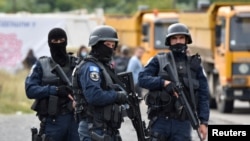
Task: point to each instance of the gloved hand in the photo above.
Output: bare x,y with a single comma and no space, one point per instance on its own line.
64,91
170,88
121,97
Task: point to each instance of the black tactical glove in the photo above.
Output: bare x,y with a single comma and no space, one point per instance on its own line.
64,91
170,88
121,97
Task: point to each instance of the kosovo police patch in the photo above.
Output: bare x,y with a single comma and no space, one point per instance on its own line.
94,76
94,73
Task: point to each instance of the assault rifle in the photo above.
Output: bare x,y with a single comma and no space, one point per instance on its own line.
133,112
182,98
60,73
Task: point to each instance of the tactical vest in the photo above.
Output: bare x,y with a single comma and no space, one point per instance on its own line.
162,104
54,105
103,117
81,107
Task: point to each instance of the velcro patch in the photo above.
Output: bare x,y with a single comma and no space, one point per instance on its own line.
93,68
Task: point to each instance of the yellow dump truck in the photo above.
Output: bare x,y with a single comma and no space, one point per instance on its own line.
146,28
221,35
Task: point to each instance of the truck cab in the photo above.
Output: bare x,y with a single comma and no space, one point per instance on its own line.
146,28
221,36
232,48
154,30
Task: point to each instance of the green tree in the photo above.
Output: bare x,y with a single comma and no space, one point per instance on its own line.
109,6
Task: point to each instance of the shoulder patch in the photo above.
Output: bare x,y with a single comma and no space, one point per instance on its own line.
94,73
94,76
94,69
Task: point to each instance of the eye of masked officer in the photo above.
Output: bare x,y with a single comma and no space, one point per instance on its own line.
178,39
110,44
58,41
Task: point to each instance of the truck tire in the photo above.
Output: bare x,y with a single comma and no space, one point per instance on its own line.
223,105
211,84
212,103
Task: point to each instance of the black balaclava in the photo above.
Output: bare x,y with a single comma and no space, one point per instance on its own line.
102,52
179,50
58,50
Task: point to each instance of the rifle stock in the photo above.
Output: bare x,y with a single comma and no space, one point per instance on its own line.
183,100
133,112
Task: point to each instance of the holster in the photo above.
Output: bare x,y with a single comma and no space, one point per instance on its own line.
96,137
105,137
36,136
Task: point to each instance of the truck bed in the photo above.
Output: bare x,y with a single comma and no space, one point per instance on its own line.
201,31
127,29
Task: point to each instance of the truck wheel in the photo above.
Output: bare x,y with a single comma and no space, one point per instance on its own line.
211,84
223,105
212,103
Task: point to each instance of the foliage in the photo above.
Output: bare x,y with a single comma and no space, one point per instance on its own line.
109,6
12,93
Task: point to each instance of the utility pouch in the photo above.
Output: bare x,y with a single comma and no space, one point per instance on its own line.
52,107
107,112
34,106
166,98
151,98
116,113
195,82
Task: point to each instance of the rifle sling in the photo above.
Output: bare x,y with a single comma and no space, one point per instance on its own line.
191,90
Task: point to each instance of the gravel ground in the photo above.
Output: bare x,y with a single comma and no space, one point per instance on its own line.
17,127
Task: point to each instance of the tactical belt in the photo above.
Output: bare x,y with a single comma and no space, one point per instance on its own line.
173,116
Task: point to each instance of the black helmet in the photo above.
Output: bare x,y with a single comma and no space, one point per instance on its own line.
103,33
177,29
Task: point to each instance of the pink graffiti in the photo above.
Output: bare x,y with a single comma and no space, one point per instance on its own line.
10,49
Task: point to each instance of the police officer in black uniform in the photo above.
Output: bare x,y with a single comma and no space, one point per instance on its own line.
168,120
54,103
104,97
